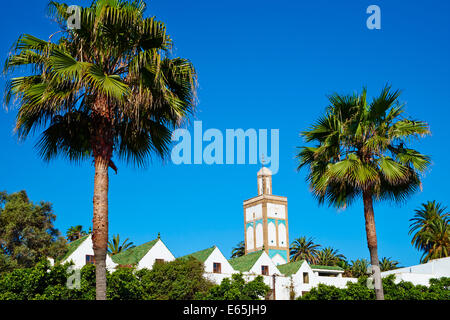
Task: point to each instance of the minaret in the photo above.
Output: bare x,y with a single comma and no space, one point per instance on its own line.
266,221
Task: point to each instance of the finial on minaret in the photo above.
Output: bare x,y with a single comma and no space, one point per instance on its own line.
263,160
264,178
159,235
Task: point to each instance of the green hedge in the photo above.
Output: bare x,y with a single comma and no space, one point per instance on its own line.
439,289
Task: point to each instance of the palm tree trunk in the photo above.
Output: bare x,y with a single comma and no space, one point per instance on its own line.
100,224
372,243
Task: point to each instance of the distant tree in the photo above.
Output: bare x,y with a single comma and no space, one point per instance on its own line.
329,257
344,264
239,250
360,268
237,288
27,233
430,226
304,249
387,264
176,280
114,246
75,233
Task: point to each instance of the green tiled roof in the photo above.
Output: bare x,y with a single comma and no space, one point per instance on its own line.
73,246
290,268
315,266
201,255
246,262
133,255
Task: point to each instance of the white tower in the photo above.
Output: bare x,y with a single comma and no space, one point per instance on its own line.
266,221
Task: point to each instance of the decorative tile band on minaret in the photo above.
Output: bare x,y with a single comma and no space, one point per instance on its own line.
266,221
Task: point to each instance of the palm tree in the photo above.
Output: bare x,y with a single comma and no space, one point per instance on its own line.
361,152
430,226
387,264
75,232
360,267
304,249
109,89
114,246
239,250
329,257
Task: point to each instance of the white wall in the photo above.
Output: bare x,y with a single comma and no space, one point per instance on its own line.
85,248
256,209
422,273
158,251
264,260
276,211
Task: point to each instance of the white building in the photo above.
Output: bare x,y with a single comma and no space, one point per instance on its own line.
266,253
144,255
81,253
422,273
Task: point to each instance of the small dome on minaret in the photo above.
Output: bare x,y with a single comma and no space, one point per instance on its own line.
264,181
264,172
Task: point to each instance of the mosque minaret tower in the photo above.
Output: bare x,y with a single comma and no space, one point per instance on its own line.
266,221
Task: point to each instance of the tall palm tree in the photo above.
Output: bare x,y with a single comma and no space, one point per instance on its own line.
387,264
431,229
239,250
109,89
75,232
329,257
304,249
360,152
114,246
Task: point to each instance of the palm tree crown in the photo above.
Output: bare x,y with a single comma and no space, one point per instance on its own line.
75,232
329,257
114,246
239,250
430,226
304,249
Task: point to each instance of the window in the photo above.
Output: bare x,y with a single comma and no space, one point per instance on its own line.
159,260
217,267
90,259
305,277
265,270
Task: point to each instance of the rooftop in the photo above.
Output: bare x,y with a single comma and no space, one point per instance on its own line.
201,255
290,268
133,255
246,262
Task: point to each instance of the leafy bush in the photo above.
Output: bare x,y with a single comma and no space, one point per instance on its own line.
237,289
439,289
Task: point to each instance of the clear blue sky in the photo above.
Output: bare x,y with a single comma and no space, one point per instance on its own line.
261,64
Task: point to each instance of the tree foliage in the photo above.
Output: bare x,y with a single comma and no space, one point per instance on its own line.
237,288
27,233
75,233
437,290
431,231
304,249
239,250
115,247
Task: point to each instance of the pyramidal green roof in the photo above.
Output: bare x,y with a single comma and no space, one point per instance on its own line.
245,262
290,268
316,266
133,255
72,246
201,255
